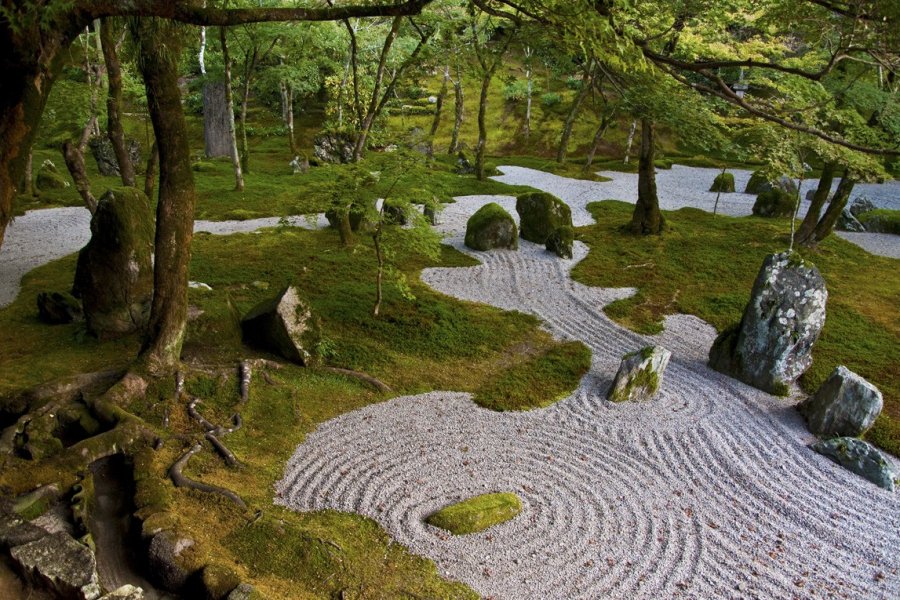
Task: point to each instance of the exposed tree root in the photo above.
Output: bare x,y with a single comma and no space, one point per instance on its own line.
213,433
181,480
62,390
245,373
378,385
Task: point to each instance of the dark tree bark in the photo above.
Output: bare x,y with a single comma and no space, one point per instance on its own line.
150,172
74,158
826,224
488,69
229,115
114,129
808,226
458,111
598,137
439,106
573,113
158,45
647,218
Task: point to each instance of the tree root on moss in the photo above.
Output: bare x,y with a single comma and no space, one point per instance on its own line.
213,433
377,384
181,480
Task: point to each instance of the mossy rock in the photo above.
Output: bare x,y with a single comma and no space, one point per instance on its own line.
59,308
663,163
724,183
491,227
758,183
394,214
776,202
49,178
881,221
560,242
219,581
540,214
476,514
203,166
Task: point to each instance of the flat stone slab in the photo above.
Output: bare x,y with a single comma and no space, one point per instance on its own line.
477,513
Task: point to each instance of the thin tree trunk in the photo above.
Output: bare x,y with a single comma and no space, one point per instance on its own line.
114,129
438,107
366,123
74,158
379,275
287,114
647,218
354,65
458,111
229,108
28,182
808,226
630,141
718,193
826,224
570,118
249,66
482,126
598,137
175,210
529,88
150,172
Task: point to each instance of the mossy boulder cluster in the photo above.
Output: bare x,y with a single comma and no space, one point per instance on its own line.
772,345
724,182
491,227
114,275
881,221
477,513
284,325
540,215
640,374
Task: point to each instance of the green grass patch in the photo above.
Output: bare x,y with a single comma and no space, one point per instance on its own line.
881,220
705,265
477,514
538,380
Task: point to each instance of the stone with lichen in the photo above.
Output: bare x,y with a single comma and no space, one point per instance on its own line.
845,405
640,375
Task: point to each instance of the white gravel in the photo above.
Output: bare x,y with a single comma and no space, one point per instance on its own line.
708,491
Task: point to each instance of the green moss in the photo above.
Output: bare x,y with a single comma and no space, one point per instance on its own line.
881,220
536,381
645,380
724,182
775,202
219,580
476,514
758,183
540,214
491,227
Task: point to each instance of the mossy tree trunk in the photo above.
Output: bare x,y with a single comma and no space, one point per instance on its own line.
647,218
826,224
459,105
114,129
439,105
573,113
229,115
150,171
158,42
808,226
488,69
287,114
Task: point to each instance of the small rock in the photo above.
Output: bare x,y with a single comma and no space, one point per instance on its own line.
299,166
163,559
199,285
59,308
60,564
861,205
260,285
284,325
463,166
848,222
845,405
859,457
241,592
126,592
639,375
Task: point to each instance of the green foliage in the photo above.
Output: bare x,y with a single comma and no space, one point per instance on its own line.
477,513
550,99
517,91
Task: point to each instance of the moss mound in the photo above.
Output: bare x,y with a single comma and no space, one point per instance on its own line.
881,220
477,514
49,178
775,203
540,214
757,184
560,242
724,183
491,227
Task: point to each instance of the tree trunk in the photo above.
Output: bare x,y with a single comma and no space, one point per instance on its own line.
114,129
570,118
354,64
598,137
647,218
229,111
249,66
630,141
379,275
438,108
482,126
808,226
826,224
216,135
175,210
74,158
150,172
28,181
366,123
458,109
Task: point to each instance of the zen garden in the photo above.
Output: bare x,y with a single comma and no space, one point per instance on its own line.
444,299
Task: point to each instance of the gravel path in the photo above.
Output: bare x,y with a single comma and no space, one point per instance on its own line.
708,491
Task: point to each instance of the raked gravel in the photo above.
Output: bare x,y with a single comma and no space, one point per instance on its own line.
707,491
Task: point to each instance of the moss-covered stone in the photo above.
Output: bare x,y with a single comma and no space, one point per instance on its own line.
59,308
203,166
285,325
49,178
724,182
540,214
219,581
491,227
758,183
881,220
638,377
476,514
776,202
560,242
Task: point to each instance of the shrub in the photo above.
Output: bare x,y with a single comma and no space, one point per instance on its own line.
550,99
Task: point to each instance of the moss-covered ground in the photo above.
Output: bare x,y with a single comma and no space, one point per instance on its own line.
705,265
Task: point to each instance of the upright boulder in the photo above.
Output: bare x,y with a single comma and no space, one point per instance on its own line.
724,182
105,156
540,214
845,405
560,242
639,375
284,325
776,202
114,275
861,205
757,184
847,221
859,457
491,227
334,147
772,345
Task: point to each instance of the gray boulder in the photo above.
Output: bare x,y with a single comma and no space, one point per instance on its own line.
848,222
114,275
284,325
59,308
639,375
540,214
859,457
334,147
491,227
105,156
166,561
463,166
242,592
861,205
845,405
15,531
772,345
59,563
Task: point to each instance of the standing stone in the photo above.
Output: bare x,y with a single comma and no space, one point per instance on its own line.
540,214
845,405
772,345
105,156
114,276
724,183
859,457
847,221
639,375
861,205
334,147
491,227
59,563
216,120
284,325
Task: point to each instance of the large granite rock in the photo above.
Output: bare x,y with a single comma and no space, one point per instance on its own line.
859,457
847,221
114,275
59,563
861,205
15,531
105,156
59,308
845,405
284,325
334,147
772,345
560,242
639,375
724,183
540,214
491,227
